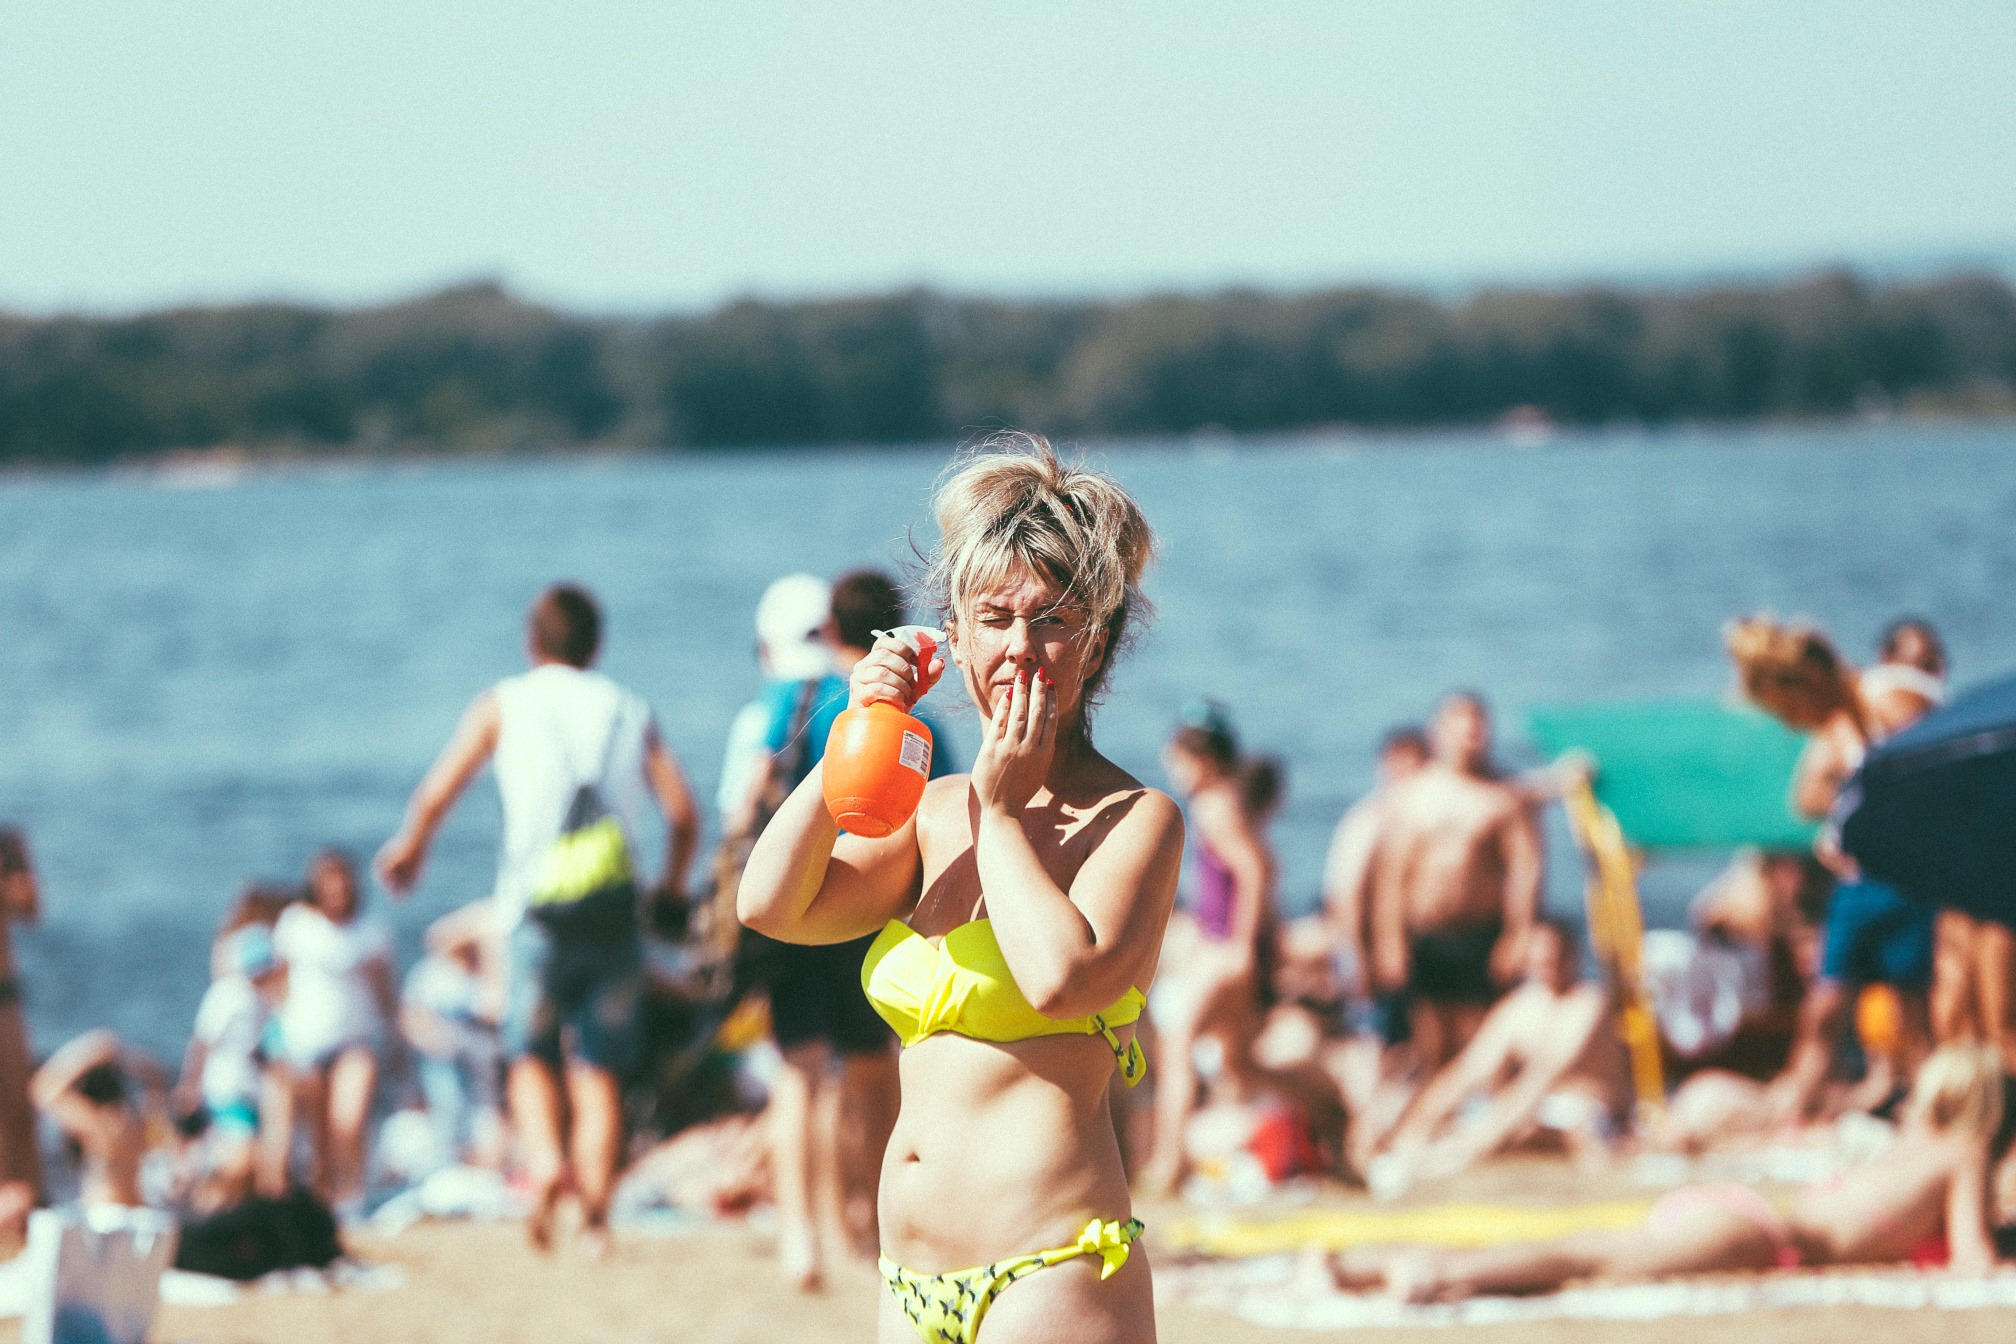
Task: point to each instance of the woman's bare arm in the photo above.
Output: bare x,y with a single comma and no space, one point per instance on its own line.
1233,837
807,882
1970,1246
70,1062
1474,1069
1816,780
1568,1035
1071,953
1074,953
188,1086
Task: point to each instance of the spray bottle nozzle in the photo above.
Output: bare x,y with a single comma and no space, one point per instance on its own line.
920,639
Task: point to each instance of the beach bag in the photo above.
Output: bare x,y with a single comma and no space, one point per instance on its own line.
257,1236
94,1277
585,886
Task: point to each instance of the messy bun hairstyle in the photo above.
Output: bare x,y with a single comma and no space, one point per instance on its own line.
1790,671
1012,502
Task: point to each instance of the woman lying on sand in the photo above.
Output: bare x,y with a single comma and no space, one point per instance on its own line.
1931,1183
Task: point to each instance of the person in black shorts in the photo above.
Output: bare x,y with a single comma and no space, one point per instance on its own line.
1452,888
1454,965
834,1100
1448,966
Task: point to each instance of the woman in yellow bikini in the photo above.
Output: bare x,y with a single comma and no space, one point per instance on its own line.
1020,914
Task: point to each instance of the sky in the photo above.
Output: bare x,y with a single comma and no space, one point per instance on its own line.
669,156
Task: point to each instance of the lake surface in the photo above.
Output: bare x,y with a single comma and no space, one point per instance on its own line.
205,676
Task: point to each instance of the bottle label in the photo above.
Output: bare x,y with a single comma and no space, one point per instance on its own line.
916,753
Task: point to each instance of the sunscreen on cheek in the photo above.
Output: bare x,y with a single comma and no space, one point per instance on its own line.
878,757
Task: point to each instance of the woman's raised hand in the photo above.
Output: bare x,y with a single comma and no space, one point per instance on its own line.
894,673
1015,750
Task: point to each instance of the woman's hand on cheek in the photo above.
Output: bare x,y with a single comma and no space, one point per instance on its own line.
1016,748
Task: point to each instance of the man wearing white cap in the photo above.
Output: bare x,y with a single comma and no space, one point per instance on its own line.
838,1071
791,648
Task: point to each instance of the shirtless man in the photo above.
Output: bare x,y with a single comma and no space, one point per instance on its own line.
1547,1059
1453,886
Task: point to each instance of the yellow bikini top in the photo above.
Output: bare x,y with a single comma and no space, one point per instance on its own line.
962,984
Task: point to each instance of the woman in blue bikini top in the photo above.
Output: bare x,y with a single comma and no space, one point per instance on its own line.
1020,915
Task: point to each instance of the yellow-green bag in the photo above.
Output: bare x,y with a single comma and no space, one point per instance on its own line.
585,885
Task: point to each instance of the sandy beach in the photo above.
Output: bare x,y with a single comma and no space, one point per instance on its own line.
720,1287
719,1284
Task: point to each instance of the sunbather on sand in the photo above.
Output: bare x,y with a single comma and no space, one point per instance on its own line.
1932,1183
1545,1062
89,1089
1724,1110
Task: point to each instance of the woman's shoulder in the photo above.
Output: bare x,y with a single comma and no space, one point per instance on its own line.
1139,807
1156,809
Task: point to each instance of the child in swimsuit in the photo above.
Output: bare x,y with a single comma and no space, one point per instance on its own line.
1017,916
335,1020
225,1069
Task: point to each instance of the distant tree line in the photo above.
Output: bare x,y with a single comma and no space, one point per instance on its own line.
474,369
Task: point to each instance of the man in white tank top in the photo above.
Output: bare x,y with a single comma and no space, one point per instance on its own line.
570,1000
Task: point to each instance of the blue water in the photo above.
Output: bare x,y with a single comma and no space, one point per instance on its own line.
204,677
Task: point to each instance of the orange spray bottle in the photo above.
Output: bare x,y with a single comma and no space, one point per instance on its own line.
878,757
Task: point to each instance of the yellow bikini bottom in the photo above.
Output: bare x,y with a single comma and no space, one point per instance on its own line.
946,1308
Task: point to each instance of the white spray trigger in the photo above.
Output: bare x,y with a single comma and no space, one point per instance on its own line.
921,640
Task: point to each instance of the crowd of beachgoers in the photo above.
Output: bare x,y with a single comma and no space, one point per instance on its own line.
1428,1017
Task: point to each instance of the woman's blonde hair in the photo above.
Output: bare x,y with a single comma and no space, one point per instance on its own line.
1790,671
1013,502
1959,1089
